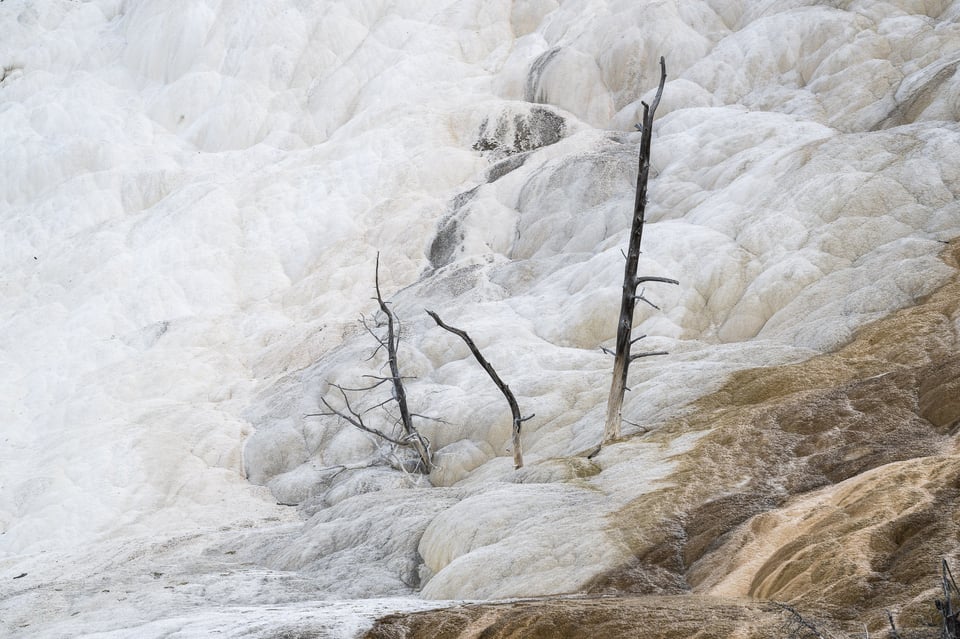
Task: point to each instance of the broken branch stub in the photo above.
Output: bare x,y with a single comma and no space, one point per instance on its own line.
352,417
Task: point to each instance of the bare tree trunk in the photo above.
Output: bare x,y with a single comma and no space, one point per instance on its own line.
629,297
511,400
950,628
399,394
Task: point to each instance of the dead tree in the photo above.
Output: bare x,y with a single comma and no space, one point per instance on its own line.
949,613
410,437
622,355
511,400
894,633
797,626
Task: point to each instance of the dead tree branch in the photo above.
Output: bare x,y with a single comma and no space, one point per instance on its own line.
511,400
354,418
629,297
363,389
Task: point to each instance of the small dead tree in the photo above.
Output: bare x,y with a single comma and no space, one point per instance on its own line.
410,437
949,611
622,355
894,633
797,626
511,400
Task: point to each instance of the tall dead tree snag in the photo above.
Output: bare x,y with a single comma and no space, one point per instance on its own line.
629,298
410,437
511,400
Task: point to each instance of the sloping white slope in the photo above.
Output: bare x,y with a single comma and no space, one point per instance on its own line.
192,196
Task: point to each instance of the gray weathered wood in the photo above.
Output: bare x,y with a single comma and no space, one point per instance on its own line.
511,399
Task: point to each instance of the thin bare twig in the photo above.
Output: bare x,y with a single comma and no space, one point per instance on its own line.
361,389
356,420
643,428
640,298
432,419
637,356
387,379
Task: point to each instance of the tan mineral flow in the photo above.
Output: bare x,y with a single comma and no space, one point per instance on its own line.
686,617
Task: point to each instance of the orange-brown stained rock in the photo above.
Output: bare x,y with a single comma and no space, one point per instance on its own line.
831,483
687,617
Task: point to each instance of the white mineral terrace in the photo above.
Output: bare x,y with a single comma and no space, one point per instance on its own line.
192,196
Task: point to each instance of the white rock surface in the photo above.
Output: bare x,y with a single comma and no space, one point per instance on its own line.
192,197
